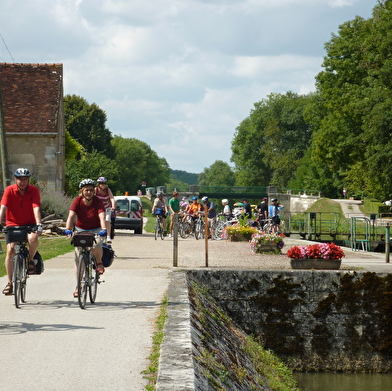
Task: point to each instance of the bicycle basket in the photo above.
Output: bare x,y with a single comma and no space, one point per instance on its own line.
83,239
17,234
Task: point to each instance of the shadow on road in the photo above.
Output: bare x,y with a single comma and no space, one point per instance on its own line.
8,328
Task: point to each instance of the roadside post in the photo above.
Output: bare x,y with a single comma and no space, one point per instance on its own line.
387,242
206,231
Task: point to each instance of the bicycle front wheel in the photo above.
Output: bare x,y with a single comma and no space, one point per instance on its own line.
17,279
93,278
198,230
23,279
161,230
156,231
219,229
82,281
185,230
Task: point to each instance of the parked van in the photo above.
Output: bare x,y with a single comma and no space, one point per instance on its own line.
129,213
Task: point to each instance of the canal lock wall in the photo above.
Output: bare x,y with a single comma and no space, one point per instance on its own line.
313,320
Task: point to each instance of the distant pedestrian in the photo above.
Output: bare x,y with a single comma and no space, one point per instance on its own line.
246,209
344,192
174,208
262,210
274,214
211,215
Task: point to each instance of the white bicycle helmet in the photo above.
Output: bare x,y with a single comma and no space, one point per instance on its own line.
22,172
225,201
102,179
204,199
86,182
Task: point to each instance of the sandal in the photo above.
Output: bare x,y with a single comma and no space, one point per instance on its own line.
31,268
76,294
100,268
8,289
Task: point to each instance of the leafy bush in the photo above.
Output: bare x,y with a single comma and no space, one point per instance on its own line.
54,202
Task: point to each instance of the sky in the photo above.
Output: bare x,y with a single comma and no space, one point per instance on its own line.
179,75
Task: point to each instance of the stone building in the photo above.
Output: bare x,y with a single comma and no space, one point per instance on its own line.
33,122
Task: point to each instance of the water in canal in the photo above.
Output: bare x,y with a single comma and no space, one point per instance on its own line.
344,381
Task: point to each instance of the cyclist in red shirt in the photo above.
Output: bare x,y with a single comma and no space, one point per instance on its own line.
20,205
87,213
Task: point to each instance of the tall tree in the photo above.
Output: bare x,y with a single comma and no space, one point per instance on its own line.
218,174
353,137
86,123
91,165
137,162
269,144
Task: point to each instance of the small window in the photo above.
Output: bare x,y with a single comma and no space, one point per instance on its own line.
122,205
134,206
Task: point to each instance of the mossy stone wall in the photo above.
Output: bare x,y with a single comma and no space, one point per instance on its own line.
313,320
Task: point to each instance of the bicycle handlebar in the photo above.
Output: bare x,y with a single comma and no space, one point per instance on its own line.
27,228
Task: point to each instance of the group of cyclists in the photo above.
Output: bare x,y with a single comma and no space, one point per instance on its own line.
91,211
192,209
266,216
20,207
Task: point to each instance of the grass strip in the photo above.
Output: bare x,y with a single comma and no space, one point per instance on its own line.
151,373
48,247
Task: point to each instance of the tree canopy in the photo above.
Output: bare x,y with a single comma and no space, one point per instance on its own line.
268,145
137,162
92,151
352,113
218,174
86,123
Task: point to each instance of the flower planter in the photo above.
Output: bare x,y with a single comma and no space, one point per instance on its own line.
268,248
318,264
240,237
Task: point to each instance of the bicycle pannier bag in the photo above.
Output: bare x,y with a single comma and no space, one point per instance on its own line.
107,255
17,234
83,239
39,263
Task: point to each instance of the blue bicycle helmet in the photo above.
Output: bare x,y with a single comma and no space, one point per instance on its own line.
22,172
194,198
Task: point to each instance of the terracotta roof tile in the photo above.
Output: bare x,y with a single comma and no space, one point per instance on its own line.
31,94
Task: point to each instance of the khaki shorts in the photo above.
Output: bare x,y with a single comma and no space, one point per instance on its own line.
108,214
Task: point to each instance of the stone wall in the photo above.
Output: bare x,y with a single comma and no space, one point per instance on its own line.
314,320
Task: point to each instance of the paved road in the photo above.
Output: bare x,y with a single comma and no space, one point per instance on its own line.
51,344
61,347
350,208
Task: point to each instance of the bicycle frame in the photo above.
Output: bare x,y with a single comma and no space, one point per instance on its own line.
199,227
158,231
20,261
87,276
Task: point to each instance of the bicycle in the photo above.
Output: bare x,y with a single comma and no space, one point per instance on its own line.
18,234
221,225
87,277
158,230
185,227
199,226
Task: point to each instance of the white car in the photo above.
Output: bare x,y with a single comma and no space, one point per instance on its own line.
129,213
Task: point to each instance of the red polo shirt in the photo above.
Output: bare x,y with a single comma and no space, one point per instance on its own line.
87,216
20,207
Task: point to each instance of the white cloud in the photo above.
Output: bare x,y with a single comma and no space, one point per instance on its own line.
179,75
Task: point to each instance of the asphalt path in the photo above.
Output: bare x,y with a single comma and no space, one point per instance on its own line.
52,344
